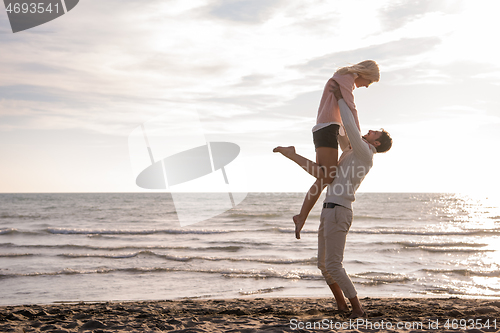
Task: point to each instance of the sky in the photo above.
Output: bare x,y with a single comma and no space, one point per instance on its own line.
74,91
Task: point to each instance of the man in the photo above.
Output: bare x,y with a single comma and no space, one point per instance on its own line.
336,216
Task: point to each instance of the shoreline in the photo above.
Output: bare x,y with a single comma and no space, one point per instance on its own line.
252,298
272,314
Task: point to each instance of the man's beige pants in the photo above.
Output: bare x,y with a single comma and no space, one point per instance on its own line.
332,233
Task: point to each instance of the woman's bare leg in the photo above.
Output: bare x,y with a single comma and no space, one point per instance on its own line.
326,157
309,166
309,201
324,171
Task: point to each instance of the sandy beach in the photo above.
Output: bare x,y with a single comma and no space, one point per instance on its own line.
255,315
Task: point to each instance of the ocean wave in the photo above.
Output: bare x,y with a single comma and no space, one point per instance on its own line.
228,248
280,261
66,271
464,272
445,247
104,232
416,232
481,291
107,256
370,217
445,290
252,243
366,278
64,231
15,255
253,215
23,216
7,231
449,249
226,273
266,274
13,231
441,244
360,218
291,231
376,278
261,291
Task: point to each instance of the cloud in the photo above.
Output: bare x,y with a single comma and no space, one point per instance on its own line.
390,52
252,80
399,13
52,108
451,73
303,105
254,70
174,66
250,101
243,11
30,93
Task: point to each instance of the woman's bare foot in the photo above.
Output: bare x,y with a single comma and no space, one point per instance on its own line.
286,151
299,223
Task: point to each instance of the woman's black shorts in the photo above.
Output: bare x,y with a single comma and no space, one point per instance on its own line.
326,137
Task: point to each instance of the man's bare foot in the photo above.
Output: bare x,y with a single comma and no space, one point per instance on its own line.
299,223
358,314
343,308
286,151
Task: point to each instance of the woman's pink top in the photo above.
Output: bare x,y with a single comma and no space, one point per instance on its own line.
328,112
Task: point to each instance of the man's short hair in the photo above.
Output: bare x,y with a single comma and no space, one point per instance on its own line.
385,142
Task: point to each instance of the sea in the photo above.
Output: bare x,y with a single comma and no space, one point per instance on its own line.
90,247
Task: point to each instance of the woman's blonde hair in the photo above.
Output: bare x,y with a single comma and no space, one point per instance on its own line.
368,69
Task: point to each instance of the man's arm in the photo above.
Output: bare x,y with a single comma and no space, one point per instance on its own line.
359,146
346,88
343,141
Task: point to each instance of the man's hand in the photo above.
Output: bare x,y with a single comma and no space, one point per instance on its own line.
335,89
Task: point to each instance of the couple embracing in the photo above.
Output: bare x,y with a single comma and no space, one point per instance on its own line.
338,125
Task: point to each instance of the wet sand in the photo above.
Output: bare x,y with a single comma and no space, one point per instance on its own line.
256,315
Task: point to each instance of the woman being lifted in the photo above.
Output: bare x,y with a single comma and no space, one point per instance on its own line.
326,130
